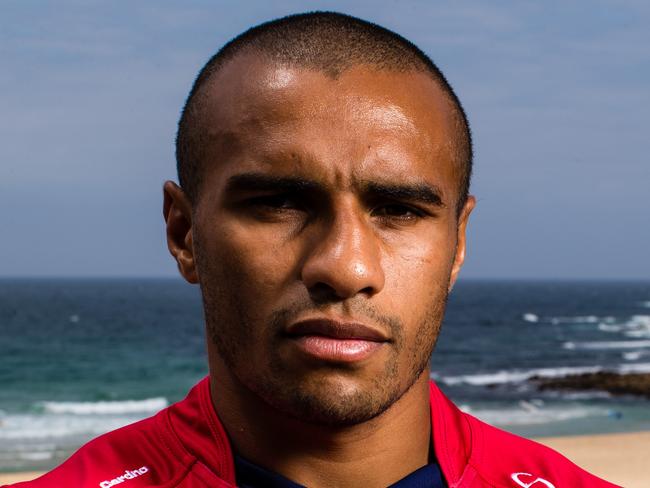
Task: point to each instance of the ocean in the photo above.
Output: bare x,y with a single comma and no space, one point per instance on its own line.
81,357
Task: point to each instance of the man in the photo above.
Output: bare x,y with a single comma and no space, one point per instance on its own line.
324,167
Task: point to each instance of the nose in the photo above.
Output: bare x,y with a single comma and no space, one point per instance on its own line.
345,259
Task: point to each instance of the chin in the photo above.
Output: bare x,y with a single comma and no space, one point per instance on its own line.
334,402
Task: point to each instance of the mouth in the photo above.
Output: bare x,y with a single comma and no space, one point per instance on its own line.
336,341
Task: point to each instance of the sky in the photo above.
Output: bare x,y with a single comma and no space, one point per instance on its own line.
557,93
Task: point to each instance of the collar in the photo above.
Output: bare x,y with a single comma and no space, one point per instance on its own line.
250,475
192,429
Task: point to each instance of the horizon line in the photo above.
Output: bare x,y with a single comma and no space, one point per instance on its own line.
460,278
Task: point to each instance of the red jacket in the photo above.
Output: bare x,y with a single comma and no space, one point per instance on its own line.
186,446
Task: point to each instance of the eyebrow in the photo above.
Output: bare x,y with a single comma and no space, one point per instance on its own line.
261,182
416,192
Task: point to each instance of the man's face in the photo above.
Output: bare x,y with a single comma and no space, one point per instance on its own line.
325,234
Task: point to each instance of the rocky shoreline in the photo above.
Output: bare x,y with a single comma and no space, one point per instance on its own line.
615,383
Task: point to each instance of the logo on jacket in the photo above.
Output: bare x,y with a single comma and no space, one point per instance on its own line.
528,483
128,475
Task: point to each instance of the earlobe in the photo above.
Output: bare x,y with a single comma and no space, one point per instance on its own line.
177,212
461,240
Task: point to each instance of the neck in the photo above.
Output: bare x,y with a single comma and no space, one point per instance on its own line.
378,452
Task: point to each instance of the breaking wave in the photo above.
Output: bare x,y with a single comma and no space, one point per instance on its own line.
528,413
606,344
51,420
105,407
519,376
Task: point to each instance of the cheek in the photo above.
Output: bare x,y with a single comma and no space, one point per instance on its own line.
417,277
419,261
243,262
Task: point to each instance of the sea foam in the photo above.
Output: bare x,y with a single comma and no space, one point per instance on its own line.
606,344
530,317
48,426
526,414
581,319
634,355
518,376
515,376
106,407
636,326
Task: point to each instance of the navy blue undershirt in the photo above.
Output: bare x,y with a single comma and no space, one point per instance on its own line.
249,475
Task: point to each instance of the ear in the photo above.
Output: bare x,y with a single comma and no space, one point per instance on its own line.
177,212
461,239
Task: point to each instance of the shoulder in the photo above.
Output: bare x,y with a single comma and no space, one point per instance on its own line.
181,445
507,460
473,453
140,453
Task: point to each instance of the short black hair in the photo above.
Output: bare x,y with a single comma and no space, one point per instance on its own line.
329,42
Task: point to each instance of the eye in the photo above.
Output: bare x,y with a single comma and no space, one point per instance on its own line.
397,212
275,202
279,207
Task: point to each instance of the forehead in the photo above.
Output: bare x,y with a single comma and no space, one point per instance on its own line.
259,115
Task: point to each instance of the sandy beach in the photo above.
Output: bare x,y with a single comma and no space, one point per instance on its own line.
15,477
619,458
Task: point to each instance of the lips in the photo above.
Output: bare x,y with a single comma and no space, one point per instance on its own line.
336,341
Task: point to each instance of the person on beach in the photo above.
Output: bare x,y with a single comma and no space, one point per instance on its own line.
324,166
